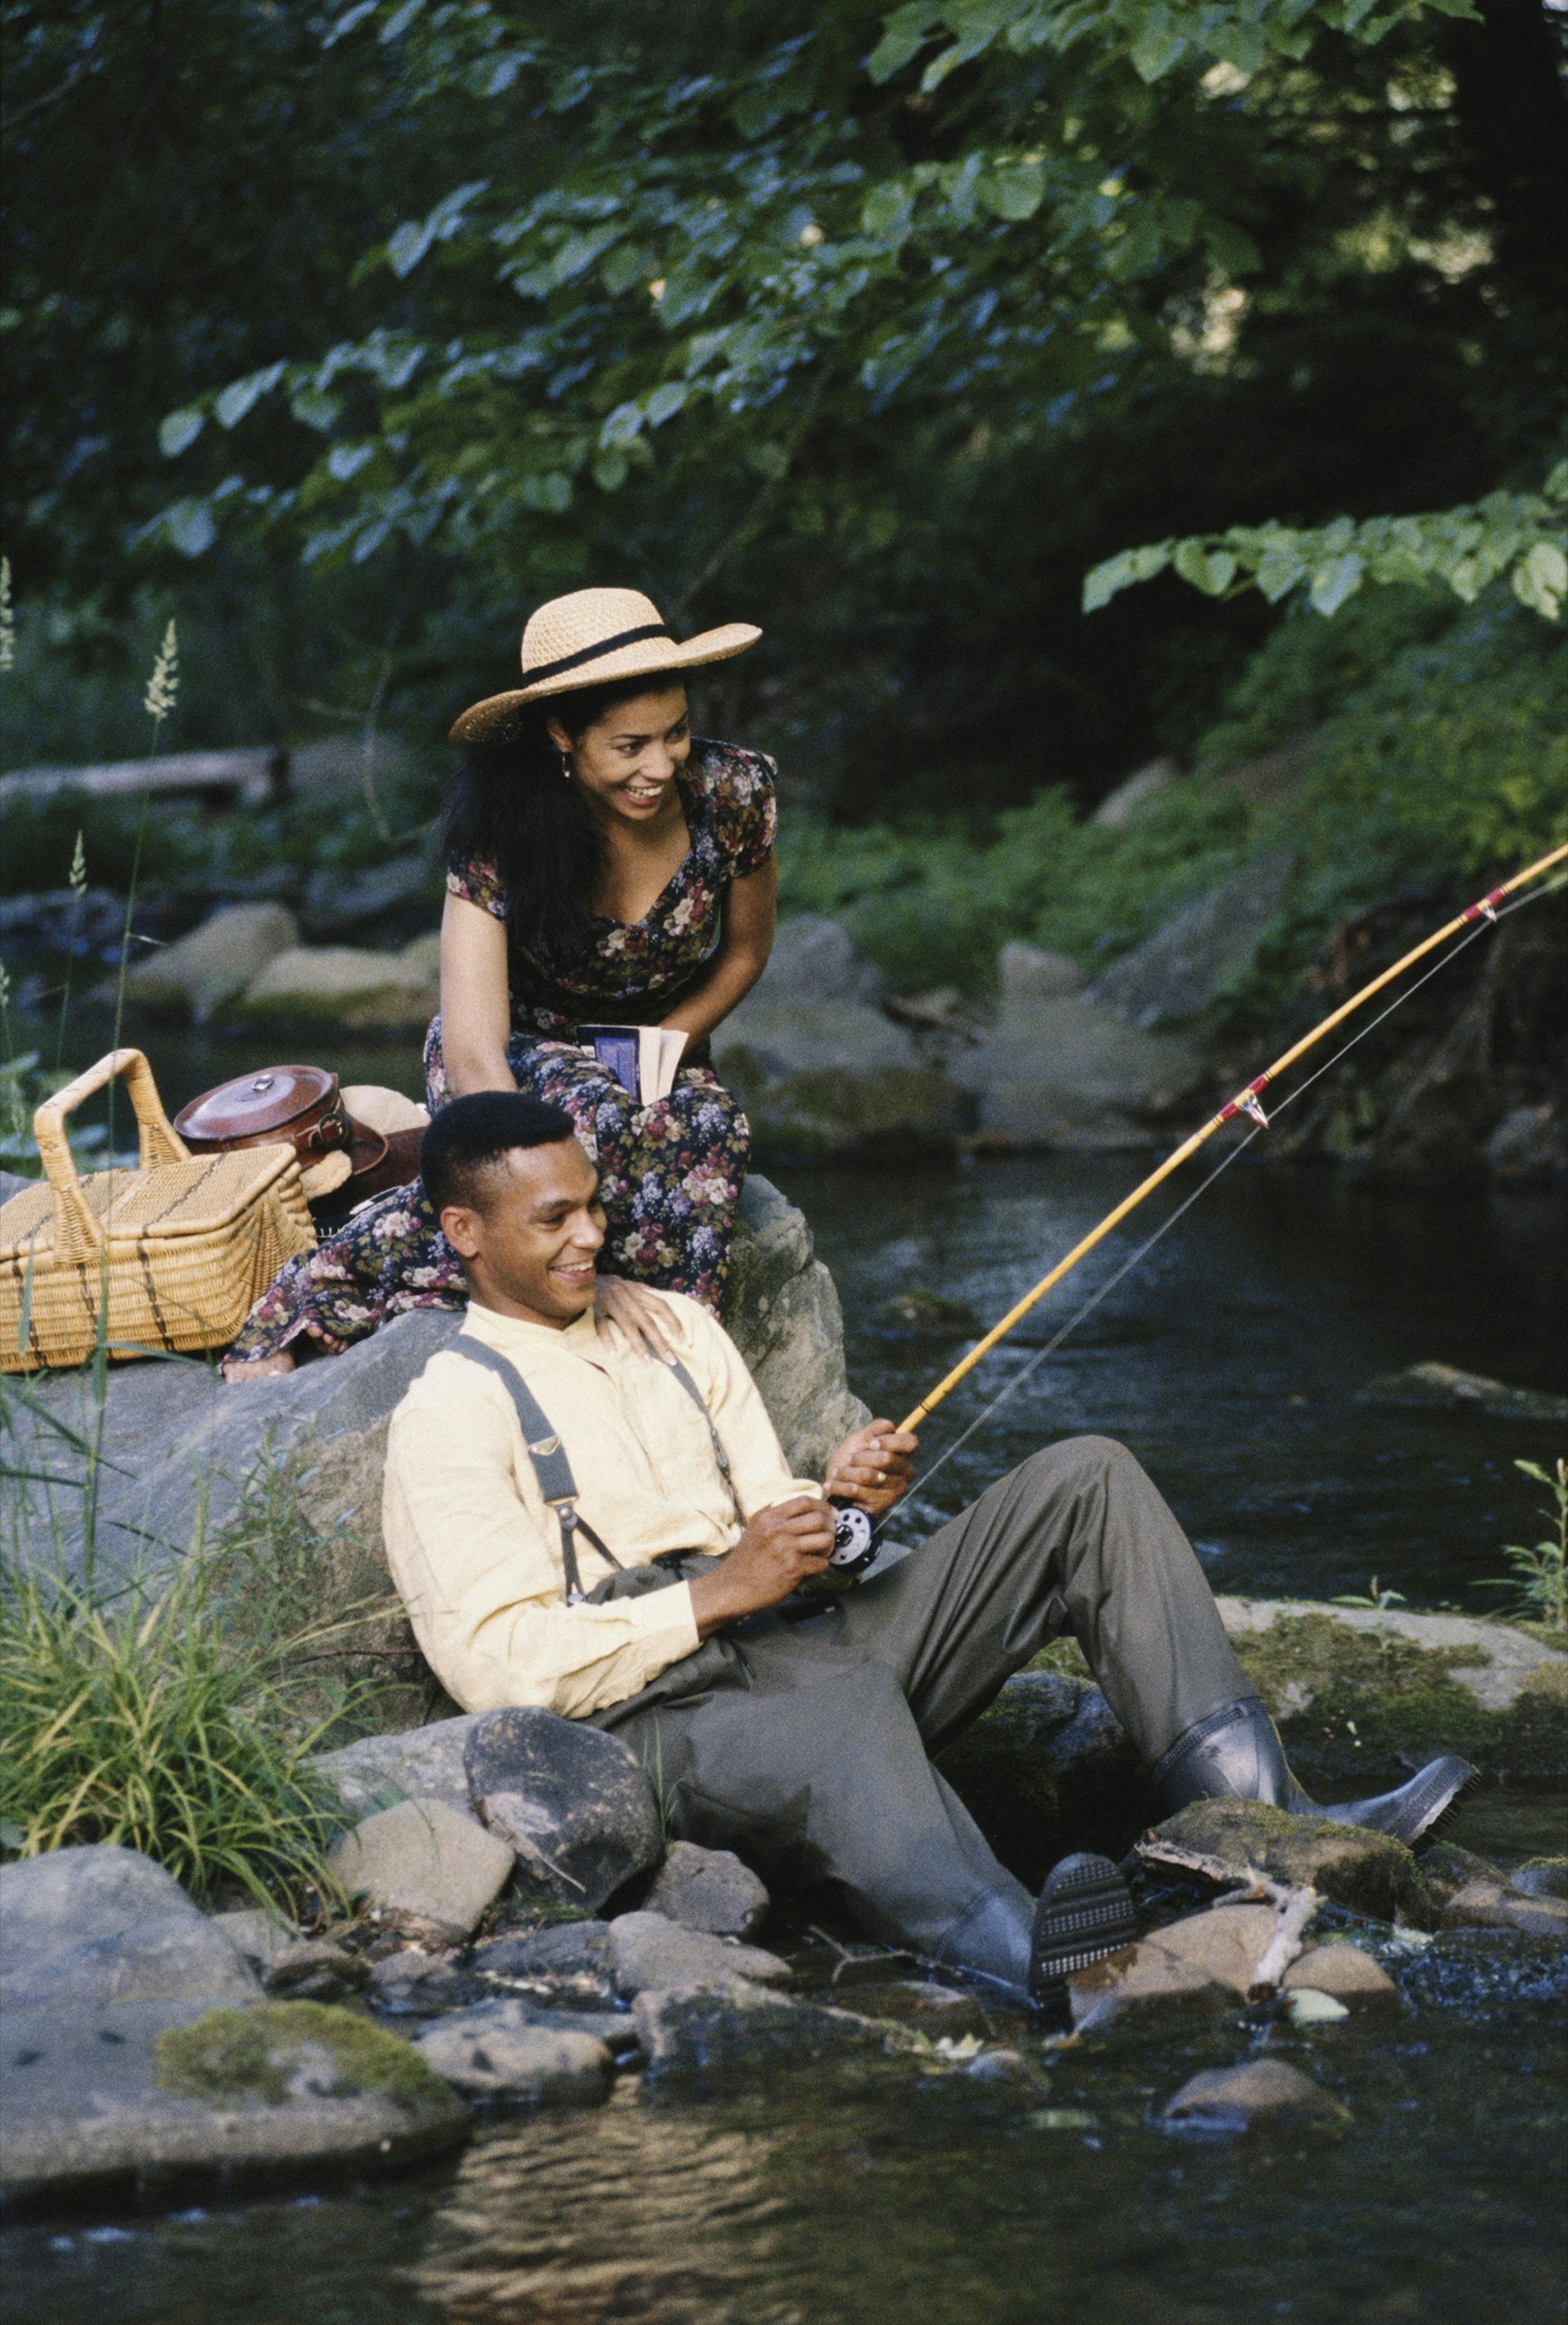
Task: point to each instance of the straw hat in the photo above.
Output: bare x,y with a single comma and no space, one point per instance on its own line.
592,638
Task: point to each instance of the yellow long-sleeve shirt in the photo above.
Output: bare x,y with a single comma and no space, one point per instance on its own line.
475,1550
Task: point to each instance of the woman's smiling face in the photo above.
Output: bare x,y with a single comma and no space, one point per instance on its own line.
626,762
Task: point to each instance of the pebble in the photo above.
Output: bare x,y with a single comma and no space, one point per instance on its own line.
1264,2093
494,2051
422,1857
648,1951
708,1889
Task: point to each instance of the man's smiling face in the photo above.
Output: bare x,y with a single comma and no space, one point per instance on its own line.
530,1245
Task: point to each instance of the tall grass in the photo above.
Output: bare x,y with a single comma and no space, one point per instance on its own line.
129,1714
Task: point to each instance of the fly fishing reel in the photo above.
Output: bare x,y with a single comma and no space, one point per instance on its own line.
854,1538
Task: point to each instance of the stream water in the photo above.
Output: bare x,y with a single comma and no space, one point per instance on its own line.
1229,1361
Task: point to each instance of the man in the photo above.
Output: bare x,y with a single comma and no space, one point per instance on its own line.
575,1524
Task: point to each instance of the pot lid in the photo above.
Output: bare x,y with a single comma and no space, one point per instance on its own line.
252,1103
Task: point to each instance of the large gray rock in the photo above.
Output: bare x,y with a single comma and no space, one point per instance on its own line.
646,1951
340,989
103,1924
1073,1073
1026,973
708,1889
781,1309
1175,974
201,973
572,1801
423,1763
424,1859
820,1070
179,1446
497,2050
161,2091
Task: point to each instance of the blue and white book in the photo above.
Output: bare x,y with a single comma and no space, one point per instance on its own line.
644,1059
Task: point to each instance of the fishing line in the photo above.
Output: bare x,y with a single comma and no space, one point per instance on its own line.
1233,1154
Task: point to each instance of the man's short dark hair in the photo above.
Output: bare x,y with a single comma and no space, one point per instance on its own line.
468,1138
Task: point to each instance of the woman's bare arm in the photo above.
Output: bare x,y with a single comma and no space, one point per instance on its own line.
476,1009
750,911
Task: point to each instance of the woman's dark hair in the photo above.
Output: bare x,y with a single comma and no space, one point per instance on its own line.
510,806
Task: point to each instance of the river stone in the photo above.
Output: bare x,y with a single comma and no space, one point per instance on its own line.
340,988
688,2030
781,1309
568,1949
1446,1870
312,1970
1226,1943
1347,1972
99,1924
258,1936
1366,1871
572,1801
497,2051
212,965
424,1764
1544,1876
1071,1073
416,1982
90,2097
1265,2093
1175,974
422,1858
1026,973
1139,1977
708,1889
1443,1388
1492,1906
646,1951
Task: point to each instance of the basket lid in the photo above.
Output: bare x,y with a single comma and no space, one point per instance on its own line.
254,1104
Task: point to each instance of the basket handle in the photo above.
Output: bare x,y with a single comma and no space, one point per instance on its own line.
77,1230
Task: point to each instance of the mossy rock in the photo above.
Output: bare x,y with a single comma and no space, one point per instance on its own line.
277,2052
1364,1871
1358,1705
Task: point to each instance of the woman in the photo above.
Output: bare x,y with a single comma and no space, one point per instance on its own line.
602,864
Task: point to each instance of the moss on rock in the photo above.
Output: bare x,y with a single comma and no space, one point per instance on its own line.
1366,1871
1355,1702
263,2052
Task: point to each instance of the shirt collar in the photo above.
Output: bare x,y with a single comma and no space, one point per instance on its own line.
516,1337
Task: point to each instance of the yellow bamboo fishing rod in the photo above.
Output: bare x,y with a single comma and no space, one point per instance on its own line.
1248,1102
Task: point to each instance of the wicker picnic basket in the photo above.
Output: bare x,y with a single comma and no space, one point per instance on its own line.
181,1247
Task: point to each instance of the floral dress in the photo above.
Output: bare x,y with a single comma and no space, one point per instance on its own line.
670,1174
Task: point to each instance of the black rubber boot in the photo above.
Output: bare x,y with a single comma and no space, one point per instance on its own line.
1085,1911
1236,1754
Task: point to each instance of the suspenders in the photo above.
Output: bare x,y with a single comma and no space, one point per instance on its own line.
551,1467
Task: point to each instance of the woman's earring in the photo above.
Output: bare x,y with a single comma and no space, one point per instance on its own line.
566,767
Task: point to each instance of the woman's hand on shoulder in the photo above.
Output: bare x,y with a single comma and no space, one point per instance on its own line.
638,1313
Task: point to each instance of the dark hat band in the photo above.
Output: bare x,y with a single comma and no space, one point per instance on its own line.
595,653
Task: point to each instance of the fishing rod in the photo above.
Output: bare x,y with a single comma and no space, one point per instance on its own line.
854,1543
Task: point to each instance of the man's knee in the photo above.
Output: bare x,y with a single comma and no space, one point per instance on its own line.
1078,1462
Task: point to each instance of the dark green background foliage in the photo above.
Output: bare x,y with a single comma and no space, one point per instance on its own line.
333,333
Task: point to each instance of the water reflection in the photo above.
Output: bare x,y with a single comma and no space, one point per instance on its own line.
641,2210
